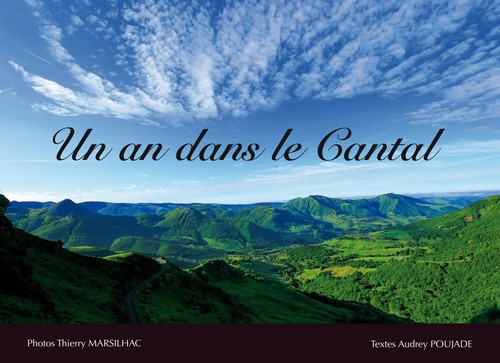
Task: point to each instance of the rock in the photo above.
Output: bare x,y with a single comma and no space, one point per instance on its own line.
4,203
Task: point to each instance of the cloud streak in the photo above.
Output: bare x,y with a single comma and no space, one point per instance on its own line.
201,60
97,99
37,56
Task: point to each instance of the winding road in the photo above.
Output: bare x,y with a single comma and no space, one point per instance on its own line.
129,299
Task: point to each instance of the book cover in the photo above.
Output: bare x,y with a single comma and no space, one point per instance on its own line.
226,168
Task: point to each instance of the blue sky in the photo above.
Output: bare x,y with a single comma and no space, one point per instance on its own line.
161,71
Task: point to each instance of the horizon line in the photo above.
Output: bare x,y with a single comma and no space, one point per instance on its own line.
486,193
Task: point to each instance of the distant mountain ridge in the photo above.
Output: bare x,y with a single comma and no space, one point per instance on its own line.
200,231
131,209
457,200
382,206
67,208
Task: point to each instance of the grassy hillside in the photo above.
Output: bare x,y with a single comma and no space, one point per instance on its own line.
294,229
215,292
43,282
76,226
441,270
197,232
365,215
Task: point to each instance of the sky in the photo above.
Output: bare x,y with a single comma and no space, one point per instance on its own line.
160,72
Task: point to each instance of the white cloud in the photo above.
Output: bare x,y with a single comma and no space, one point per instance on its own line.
99,99
193,60
76,21
309,173
53,35
445,111
5,90
472,147
34,3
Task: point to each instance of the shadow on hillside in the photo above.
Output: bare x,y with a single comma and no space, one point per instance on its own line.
365,313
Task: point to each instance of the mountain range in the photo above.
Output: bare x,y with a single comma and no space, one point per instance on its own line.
197,232
42,282
438,269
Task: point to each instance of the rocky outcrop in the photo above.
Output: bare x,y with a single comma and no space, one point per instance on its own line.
4,203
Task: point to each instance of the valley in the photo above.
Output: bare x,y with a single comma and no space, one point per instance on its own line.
190,234
390,258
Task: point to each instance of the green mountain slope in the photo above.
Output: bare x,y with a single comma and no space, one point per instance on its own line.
472,228
404,206
442,270
383,206
76,226
293,228
132,209
365,215
439,270
42,282
459,201
215,293
189,224
256,236
199,232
